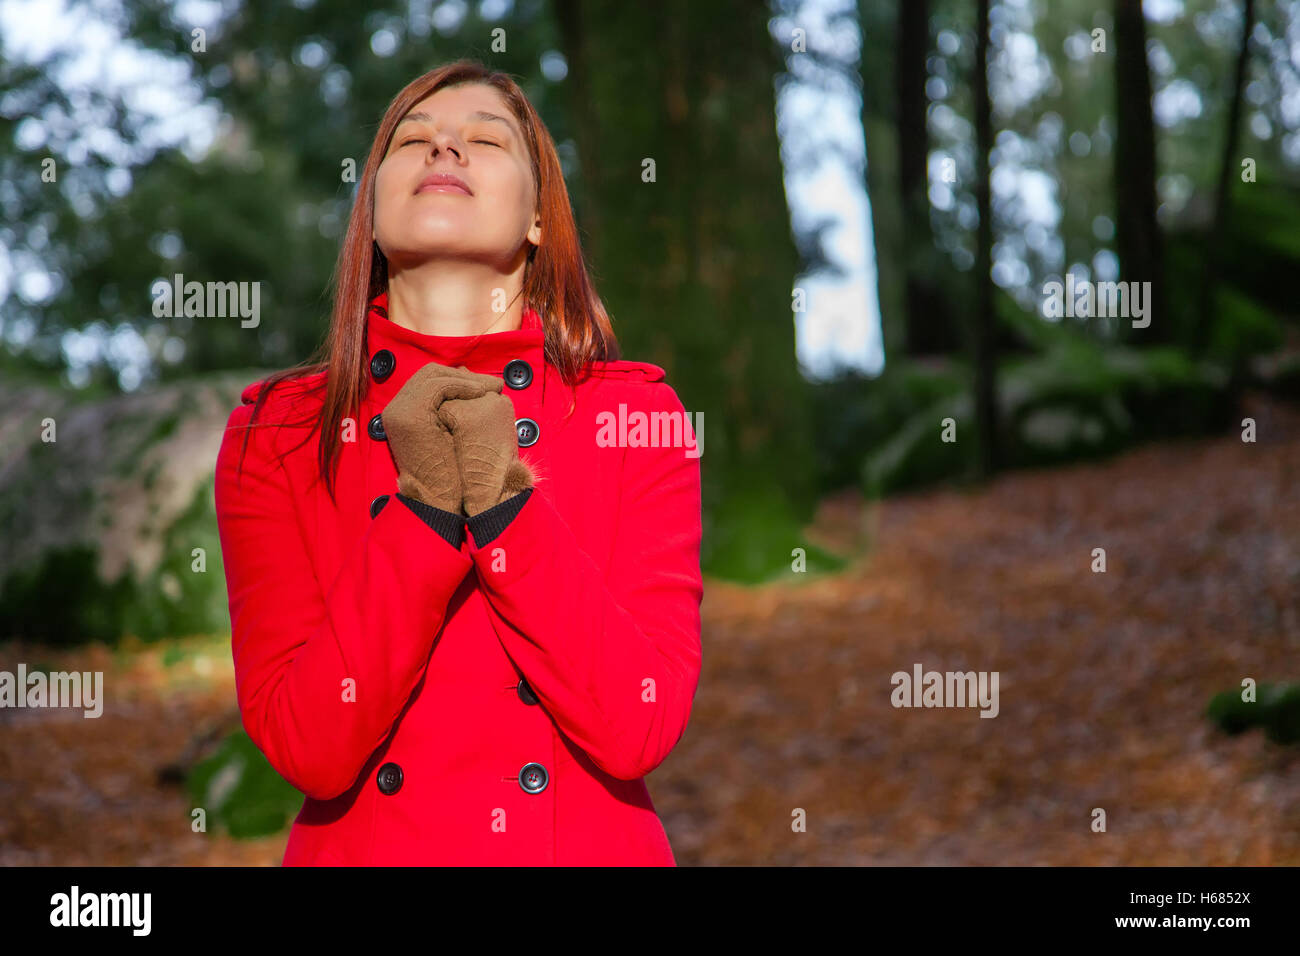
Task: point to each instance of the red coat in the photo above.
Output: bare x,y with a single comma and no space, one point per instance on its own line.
495,705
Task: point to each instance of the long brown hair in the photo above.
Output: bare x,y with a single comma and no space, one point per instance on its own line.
556,283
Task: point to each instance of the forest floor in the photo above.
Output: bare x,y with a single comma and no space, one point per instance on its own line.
1103,680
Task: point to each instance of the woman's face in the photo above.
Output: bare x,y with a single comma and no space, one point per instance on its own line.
454,133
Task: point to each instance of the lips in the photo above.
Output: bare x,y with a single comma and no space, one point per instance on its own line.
443,183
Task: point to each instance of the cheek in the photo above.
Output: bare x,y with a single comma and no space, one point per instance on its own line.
383,192
524,182
514,193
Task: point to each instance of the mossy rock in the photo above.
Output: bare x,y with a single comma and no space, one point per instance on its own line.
112,527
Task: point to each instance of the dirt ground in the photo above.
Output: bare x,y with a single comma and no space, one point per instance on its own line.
1103,682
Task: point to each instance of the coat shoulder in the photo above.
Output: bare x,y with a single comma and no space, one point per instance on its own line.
291,407
290,402
627,371
287,389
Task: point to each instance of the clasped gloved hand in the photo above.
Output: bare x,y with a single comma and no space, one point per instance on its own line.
422,445
487,449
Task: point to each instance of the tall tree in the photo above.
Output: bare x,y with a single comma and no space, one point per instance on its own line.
1228,163
930,326
694,257
1137,234
983,324
878,23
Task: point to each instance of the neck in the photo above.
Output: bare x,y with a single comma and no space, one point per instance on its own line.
445,297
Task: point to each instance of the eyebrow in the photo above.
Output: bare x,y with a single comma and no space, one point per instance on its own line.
476,115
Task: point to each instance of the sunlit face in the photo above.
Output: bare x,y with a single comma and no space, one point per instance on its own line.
469,133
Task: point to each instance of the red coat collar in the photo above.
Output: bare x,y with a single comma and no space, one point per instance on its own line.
411,350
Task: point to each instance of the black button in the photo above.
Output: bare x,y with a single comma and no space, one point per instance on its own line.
376,428
526,693
527,431
377,505
518,373
532,778
382,365
389,779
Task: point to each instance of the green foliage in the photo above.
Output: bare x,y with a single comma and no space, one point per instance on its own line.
856,416
1243,327
1276,709
1282,719
1076,399
1262,254
1285,378
750,534
1083,400
173,655
241,792
915,455
61,600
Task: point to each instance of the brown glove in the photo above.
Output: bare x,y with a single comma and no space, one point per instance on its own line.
487,449
421,444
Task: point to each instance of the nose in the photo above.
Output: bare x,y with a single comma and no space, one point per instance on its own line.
443,140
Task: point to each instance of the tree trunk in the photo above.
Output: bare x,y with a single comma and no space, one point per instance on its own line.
983,325
878,23
1214,240
586,134
1137,234
930,327
696,266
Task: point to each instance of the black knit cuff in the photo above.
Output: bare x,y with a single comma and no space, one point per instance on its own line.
487,525
450,526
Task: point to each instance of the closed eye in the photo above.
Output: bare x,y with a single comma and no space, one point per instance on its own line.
486,142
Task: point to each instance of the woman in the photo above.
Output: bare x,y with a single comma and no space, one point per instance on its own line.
465,622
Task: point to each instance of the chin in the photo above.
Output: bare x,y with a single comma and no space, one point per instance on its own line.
442,247
428,233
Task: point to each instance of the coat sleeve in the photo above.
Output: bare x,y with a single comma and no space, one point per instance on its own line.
323,669
614,656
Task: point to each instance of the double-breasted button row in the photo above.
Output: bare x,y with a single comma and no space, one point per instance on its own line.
518,373
533,778
527,431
